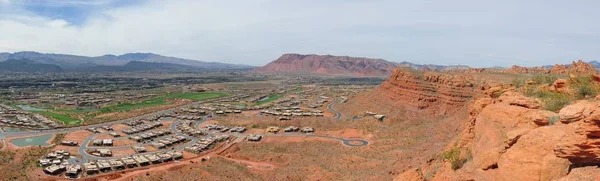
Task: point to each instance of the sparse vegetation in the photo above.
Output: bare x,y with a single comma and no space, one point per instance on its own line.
553,119
584,87
456,157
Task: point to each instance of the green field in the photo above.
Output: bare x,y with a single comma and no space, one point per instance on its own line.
269,99
195,96
66,119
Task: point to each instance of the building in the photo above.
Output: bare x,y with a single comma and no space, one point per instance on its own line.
55,169
307,130
254,137
273,129
139,149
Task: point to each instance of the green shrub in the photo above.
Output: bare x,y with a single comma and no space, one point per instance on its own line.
547,79
551,101
553,119
455,157
584,87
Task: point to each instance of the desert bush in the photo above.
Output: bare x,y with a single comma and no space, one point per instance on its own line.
552,101
584,87
553,119
456,158
547,79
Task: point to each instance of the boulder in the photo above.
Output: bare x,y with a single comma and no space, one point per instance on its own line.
532,156
492,128
577,111
560,83
583,145
517,99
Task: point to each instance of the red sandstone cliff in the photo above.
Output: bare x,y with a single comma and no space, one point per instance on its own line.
328,65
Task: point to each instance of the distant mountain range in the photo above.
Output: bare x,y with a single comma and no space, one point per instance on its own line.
46,62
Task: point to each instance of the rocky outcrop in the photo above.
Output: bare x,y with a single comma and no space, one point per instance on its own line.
328,65
437,92
575,68
577,111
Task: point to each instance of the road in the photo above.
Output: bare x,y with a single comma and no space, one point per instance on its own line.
346,141
338,115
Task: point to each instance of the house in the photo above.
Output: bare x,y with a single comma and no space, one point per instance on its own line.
129,162
253,137
105,152
291,129
116,164
90,168
69,143
73,171
107,142
139,149
272,129
307,130
379,117
55,169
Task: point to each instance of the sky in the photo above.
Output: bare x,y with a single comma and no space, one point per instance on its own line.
478,33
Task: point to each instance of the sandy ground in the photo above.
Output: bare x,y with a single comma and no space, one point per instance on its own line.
124,142
103,136
122,152
150,148
120,127
294,139
252,165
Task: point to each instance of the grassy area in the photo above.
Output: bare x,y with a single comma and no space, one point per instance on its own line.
195,96
269,99
582,88
66,119
132,106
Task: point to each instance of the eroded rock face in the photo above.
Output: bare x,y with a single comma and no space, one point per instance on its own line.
328,65
437,92
501,125
532,157
583,145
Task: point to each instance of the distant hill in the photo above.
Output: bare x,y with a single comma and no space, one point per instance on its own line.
328,65
137,66
75,62
24,65
432,66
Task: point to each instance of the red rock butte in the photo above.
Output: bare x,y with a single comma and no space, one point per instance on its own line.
329,65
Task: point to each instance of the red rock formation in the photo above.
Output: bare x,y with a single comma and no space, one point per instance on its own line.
328,65
576,68
435,91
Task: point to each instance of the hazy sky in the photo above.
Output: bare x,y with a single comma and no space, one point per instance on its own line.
471,32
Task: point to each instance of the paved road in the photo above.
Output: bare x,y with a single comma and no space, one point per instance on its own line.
345,141
338,115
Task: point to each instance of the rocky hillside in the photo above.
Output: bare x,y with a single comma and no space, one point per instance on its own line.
511,137
414,92
328,65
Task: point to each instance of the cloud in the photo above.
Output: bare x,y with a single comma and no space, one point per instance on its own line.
255,32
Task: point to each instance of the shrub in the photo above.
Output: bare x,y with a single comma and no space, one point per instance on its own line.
584,87
552,101
455,157
553,119
547,79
